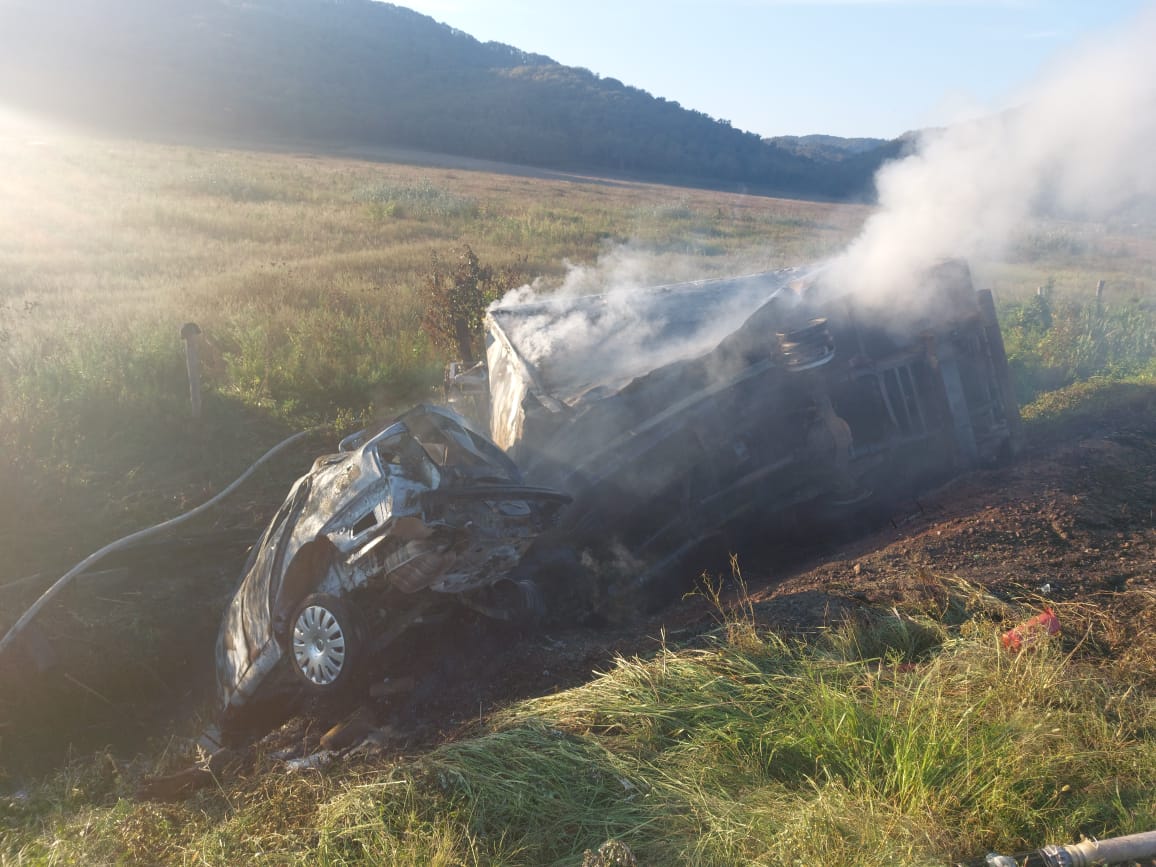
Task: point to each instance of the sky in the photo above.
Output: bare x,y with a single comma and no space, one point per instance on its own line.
875,68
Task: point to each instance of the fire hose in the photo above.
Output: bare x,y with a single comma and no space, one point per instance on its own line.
1114,850
139,536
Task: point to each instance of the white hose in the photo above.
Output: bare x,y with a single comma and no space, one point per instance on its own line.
139,535
1115,850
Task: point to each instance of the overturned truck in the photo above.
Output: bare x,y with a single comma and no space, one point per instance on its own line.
674,415
628,432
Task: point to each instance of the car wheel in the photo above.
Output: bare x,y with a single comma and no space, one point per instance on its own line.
323,643
512,601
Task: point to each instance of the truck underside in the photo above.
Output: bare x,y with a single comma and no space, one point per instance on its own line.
811,409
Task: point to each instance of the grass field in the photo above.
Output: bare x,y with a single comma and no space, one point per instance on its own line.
305,274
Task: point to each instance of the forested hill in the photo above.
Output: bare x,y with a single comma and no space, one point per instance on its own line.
356,72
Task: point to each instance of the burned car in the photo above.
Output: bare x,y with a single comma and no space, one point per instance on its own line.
751,408
396,526
628,433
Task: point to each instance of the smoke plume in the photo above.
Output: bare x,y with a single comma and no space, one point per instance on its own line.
1080,145
615,320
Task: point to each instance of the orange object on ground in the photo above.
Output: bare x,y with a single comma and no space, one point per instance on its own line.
1043,623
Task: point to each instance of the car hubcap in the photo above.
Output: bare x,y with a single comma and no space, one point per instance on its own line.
318,645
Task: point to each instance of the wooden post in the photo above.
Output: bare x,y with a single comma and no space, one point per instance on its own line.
1099,291
191,334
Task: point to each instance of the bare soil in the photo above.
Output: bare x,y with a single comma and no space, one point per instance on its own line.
1072,519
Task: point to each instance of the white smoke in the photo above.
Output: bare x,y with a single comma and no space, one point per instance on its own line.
581,334
612,321
620,269
1081,144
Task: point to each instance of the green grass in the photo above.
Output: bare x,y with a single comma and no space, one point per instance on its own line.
1052,345
900,740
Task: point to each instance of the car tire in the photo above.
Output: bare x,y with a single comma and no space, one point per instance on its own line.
324,644
512,601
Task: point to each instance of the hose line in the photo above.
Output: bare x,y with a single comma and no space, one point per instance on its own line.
139,536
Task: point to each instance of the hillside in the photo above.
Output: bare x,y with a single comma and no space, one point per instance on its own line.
827,147
336,73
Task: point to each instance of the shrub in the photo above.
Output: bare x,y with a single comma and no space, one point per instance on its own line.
455,301
1053,345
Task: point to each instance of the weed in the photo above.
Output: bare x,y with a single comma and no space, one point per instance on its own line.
424,199
1051,346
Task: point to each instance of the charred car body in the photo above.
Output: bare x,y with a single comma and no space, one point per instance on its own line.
627,431
370,541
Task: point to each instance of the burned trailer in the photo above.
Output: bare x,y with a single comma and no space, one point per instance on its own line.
736,409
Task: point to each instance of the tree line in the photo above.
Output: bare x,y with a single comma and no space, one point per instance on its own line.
350,72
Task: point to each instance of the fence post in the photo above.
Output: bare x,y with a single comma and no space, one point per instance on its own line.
191,334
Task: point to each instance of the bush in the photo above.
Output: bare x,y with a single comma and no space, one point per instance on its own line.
1052,345
455,301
